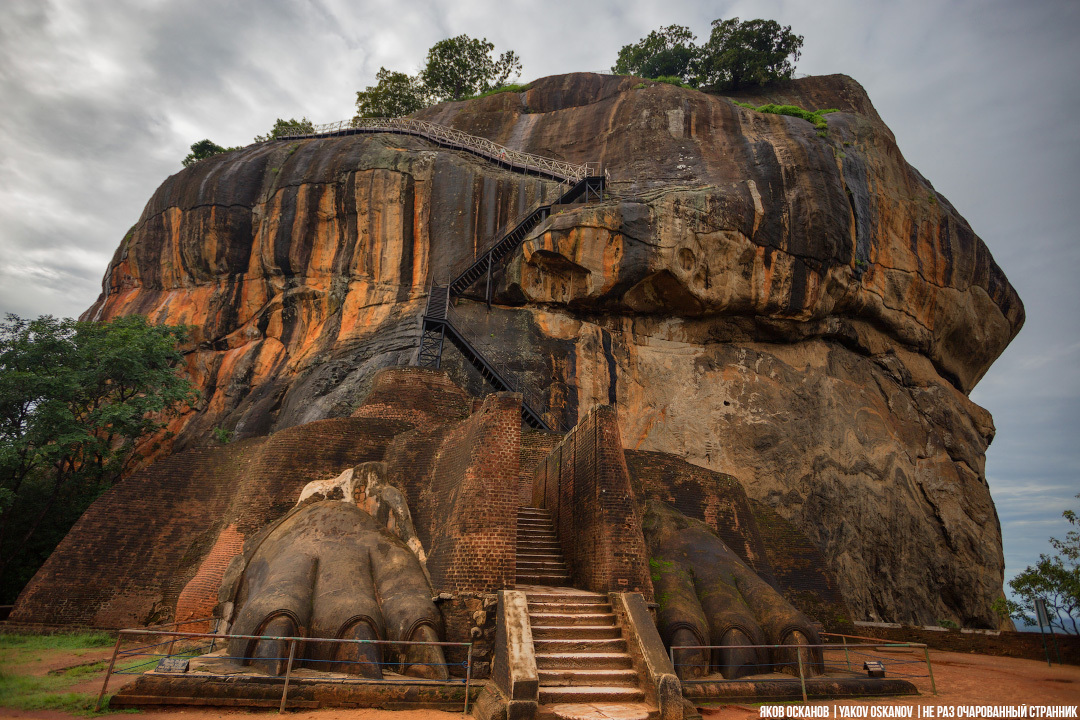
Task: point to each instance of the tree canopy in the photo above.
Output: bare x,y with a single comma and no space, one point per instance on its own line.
461,66
737,54
1055,579
667,52
204,149
396,94
455,68
75,399
284,128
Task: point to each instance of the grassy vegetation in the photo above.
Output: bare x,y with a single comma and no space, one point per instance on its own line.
70,641
672,80
816,117
50,691
512,87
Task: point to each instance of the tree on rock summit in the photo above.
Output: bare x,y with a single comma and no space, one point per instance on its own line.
737,54
462,66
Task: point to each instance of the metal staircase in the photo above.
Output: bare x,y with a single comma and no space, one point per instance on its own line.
587,188
437,326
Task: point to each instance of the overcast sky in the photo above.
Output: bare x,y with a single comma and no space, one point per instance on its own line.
102,99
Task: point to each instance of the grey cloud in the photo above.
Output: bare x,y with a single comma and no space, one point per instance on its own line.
102,101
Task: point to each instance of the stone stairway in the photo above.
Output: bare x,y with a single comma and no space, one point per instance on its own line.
581,655
539,556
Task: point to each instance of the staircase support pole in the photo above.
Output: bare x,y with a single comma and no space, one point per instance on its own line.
487,292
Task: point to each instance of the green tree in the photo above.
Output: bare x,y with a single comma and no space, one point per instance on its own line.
75,399
755,52
462,66
667,52
285,128
736,54
1055,579
204,149
395,94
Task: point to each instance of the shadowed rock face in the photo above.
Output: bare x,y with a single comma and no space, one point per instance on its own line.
801,312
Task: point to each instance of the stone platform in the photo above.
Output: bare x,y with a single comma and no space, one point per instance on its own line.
219,682
781,687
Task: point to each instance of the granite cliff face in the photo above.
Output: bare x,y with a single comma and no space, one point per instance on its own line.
804,313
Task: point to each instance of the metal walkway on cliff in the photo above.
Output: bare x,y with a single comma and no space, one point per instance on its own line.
448,137
438,327
585,183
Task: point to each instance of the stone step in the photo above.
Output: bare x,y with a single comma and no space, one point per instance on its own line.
526,534
538,556
536,520
562,619
531,579
568,608
546,546
590,694
571,597
588,661
529,510
576,632
541,565
557,645
617,677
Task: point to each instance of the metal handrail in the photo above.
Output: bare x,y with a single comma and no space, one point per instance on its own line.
444,135
845,646
532,399
293,642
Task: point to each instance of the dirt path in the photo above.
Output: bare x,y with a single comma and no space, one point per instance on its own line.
961,680
967,680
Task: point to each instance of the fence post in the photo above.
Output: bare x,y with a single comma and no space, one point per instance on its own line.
933,685
468,676
846,656
172,642
288,672
108,673
802,680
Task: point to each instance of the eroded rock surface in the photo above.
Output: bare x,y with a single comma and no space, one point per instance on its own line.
804,313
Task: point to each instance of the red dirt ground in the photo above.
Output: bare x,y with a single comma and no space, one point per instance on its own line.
961,680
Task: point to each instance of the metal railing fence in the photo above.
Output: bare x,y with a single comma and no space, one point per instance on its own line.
202,644
452,138
834,657
539,402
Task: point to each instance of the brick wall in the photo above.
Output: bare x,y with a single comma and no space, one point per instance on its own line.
800,568
472,499
127,561
138,543
417,395
199,597
535,446
585,485
716,499
774,548
1006,644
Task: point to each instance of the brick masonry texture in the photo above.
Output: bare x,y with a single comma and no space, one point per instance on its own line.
1026,645
585,486
771,546
154,547
536,445
129,557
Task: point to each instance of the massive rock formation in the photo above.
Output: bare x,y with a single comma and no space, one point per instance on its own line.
799,310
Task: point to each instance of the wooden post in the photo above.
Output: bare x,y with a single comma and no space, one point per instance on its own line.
288,672
802,680
468,676
108,673
846,656
933,685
